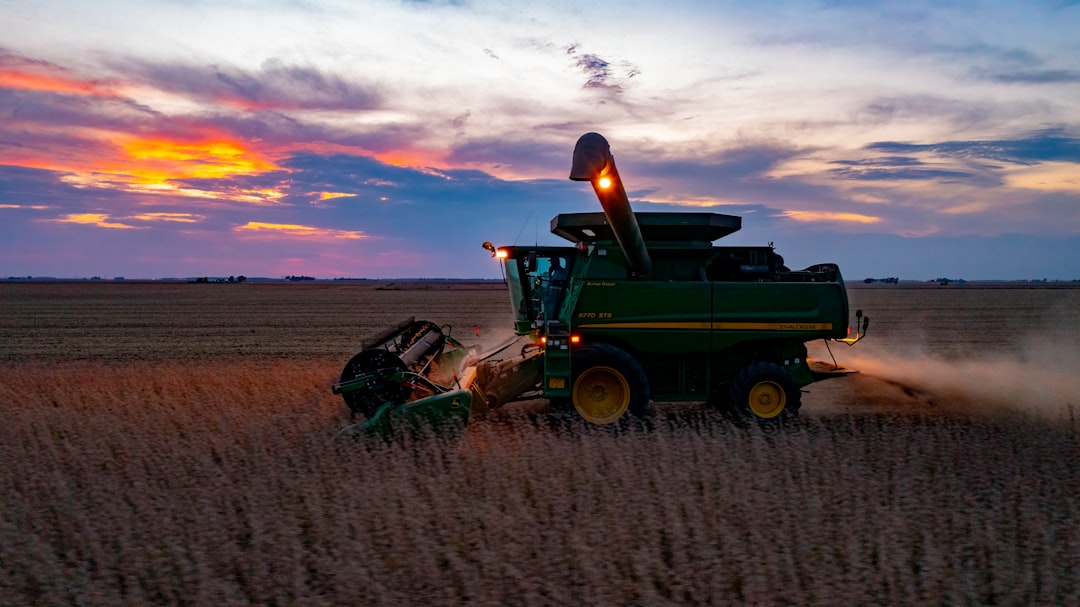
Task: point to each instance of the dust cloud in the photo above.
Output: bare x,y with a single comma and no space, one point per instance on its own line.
501,343
1041,377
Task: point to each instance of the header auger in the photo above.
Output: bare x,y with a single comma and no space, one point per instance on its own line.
641,307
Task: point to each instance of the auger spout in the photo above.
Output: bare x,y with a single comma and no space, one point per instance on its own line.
594,163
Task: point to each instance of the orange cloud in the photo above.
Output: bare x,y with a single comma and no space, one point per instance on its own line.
298,231
691,201
100,220
402,158
152,166
830,216
28,81
428,161
177,217
159,160
332,195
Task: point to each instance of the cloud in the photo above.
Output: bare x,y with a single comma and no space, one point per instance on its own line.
512,155
1046,176
923,108
832,216
600,73
1045,76
162,160
172,217
298,231
111,221
100,220
36,207
276,85
870,171
740,174
27,74
94,129
912,190
323,196
66,126
1013,56
1053,144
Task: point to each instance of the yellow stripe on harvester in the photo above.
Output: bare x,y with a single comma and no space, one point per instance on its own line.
715,326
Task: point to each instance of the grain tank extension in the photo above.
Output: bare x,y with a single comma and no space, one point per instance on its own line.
640,307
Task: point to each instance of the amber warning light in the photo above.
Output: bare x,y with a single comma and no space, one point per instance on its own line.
501,253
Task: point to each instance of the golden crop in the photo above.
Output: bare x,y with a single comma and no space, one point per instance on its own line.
173,444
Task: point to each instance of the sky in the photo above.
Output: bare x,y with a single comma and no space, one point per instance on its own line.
389,139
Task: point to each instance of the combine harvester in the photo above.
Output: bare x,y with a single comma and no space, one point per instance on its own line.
640,307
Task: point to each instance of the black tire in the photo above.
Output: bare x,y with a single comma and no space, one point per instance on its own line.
764,391
606,383
367,402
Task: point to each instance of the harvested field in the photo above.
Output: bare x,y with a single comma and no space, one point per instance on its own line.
173,444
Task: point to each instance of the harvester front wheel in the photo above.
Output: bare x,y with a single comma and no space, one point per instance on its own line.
765,391
607,382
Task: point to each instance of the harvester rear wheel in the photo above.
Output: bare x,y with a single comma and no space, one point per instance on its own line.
765,391
607,382
368,401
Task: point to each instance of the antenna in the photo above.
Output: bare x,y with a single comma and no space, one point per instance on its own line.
523,225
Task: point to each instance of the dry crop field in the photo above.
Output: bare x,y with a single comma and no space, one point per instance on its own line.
173,444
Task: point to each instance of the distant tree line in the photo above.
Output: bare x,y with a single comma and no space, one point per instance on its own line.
229,279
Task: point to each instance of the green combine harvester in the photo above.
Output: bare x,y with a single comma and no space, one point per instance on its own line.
640,307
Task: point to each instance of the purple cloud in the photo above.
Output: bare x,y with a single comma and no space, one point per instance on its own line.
274,86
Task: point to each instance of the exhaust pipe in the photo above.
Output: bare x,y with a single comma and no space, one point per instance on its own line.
594,163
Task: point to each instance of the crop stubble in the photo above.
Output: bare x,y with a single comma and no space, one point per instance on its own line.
172,444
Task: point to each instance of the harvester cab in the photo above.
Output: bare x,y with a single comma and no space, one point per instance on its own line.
536,278
639,307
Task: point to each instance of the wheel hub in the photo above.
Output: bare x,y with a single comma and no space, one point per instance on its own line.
767,399
601,395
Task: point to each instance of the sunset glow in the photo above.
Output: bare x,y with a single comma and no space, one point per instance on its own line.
100,220
830,216
332,195
38,207
177,217
298,231
158,161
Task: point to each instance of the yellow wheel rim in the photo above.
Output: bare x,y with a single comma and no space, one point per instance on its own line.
601,395
767,399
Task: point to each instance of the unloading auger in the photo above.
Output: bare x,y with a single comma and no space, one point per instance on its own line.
642,307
